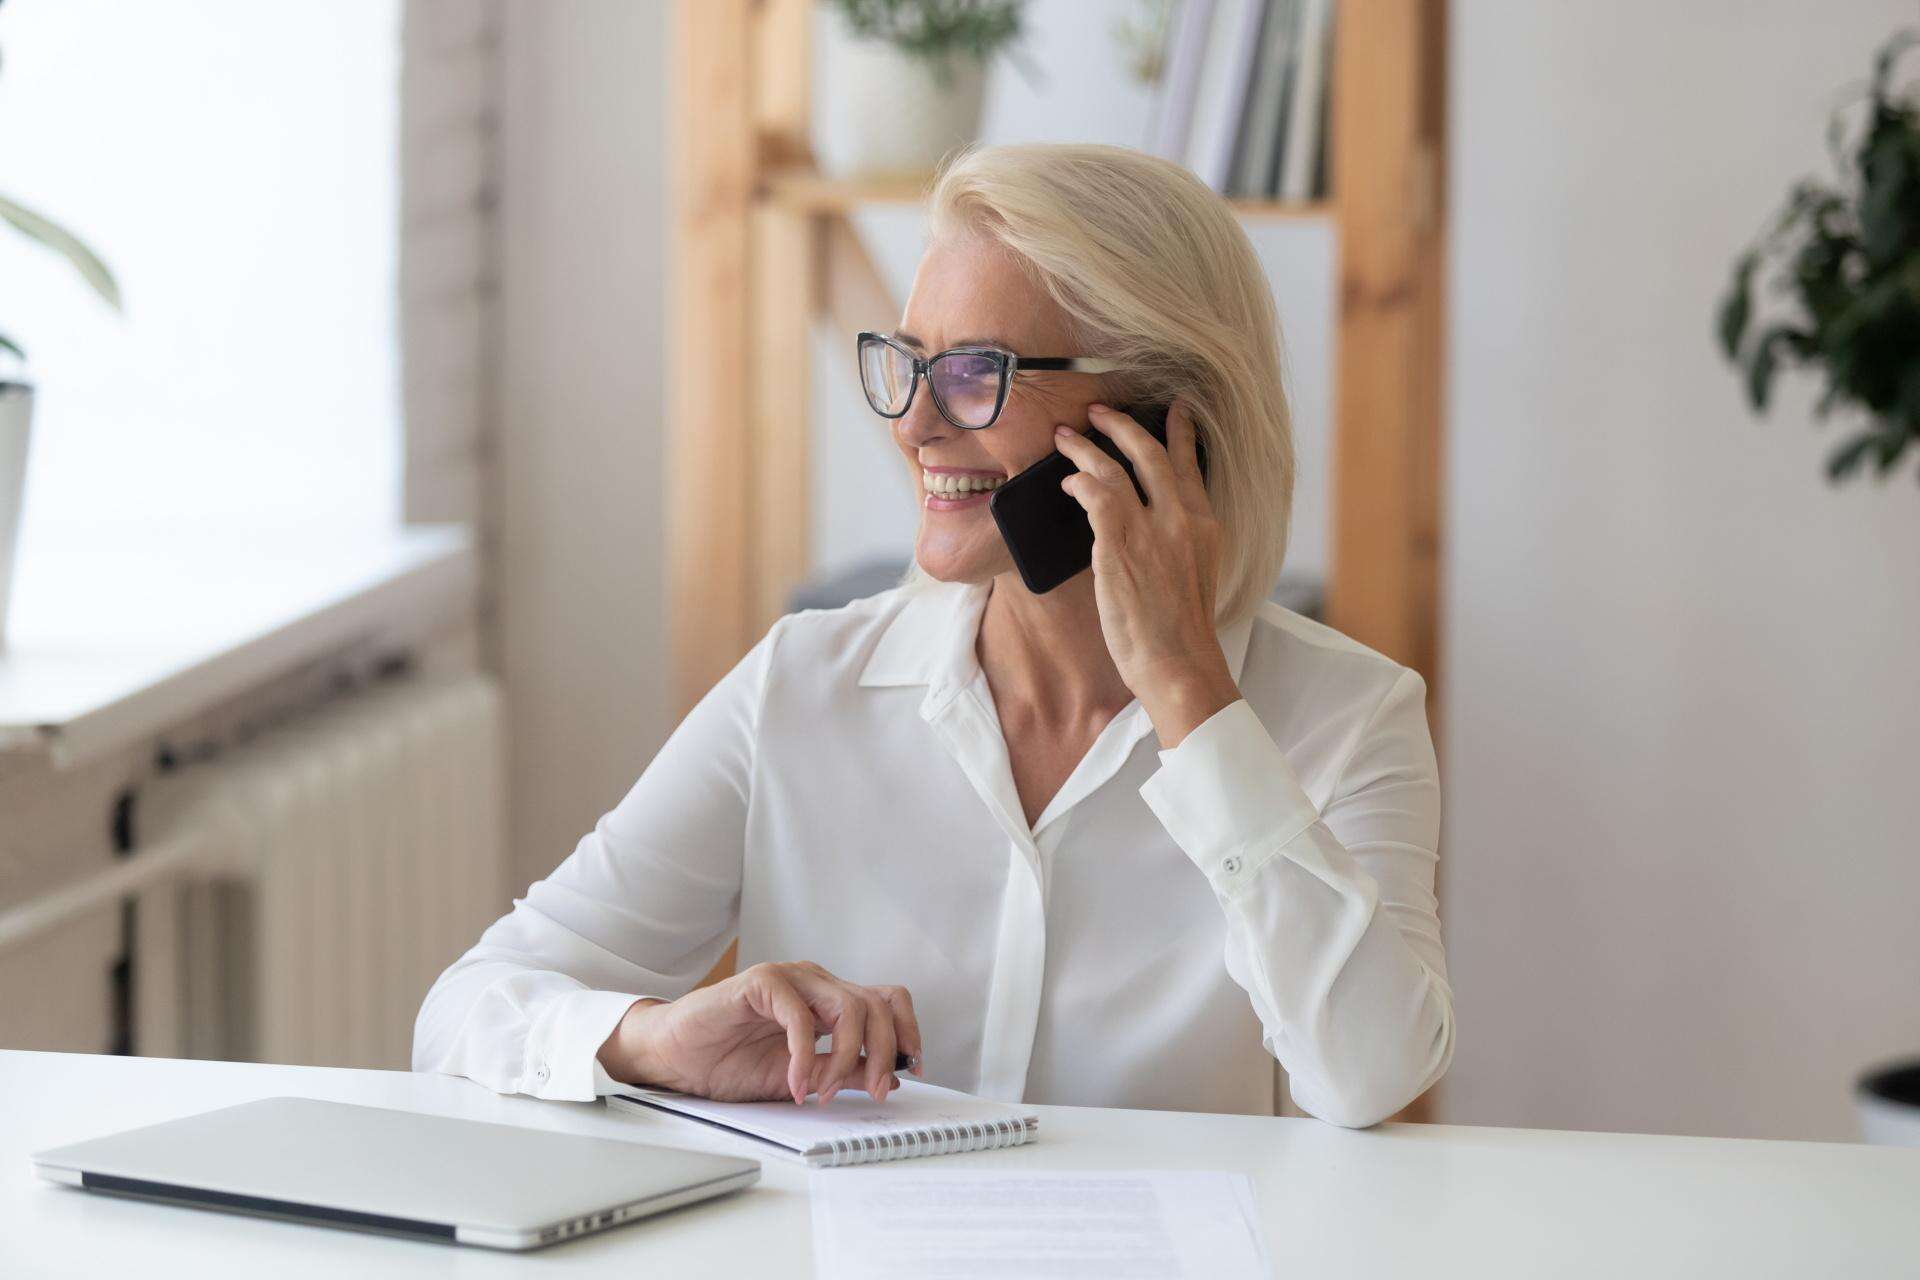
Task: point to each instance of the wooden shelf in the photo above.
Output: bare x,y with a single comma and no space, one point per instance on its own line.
1283,210
805,191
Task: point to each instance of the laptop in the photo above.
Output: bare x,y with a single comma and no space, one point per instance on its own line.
430,1177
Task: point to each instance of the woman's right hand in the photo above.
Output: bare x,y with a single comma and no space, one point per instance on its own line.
750,1038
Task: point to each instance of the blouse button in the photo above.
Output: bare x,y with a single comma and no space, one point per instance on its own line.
1231,866
541,1074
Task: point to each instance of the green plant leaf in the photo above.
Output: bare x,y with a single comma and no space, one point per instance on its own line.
7,344
1738,306
1845,460
1889,206
1891,442
1759,374
1889,54
1763,360
67,245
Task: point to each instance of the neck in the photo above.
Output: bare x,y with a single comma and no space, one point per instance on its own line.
1048,651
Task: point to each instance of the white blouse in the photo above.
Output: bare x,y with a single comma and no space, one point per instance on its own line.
1174,921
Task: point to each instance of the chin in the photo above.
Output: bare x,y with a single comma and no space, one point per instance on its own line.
961,564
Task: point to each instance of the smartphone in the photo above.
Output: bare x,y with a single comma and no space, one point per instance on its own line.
1048,532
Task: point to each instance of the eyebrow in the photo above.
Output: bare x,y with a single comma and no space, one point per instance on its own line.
910,340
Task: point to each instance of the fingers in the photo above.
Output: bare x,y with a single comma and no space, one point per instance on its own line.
848,1013
1107,505
1149,457
906,1024
785,1006
1092,460
881,1044
1183,450
878,1020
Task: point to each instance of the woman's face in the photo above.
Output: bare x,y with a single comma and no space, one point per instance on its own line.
971,291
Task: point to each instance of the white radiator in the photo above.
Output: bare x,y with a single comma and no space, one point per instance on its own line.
330,869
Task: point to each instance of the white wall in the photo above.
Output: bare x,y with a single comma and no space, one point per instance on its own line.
1682,848
583,639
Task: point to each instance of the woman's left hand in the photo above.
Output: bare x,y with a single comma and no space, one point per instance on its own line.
1155,567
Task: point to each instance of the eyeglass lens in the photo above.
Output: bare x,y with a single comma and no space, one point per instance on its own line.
966,385
887,375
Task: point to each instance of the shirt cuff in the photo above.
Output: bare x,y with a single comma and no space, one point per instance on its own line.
563,1053
1228,797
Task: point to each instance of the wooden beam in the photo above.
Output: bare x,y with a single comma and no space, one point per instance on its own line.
1387,169
710,608
783,294
783,82
785,249
855,295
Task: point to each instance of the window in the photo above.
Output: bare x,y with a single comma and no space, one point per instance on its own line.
236,164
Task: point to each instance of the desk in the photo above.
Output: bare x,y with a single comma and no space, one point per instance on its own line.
1400,1200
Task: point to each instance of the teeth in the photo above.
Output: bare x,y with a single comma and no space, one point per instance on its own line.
948,485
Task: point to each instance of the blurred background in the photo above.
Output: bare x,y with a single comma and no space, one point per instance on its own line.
409,407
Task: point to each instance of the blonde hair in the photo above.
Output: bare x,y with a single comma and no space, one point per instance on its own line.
1154,271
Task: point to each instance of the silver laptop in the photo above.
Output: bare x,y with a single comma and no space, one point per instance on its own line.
430,1177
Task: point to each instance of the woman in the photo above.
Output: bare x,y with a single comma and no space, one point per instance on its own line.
931,817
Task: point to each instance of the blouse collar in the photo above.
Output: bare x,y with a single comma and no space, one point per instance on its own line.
930,640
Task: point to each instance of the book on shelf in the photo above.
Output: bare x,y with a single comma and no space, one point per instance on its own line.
1256,171
1180,79
1306,114
1233,46
1242,97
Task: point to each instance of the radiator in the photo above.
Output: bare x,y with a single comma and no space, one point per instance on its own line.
329,869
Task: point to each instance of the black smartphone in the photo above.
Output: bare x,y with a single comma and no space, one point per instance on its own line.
1048,532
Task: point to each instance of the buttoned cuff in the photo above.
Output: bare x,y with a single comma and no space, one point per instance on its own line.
563,1051
1228,797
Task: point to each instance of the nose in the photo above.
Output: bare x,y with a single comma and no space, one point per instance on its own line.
922,424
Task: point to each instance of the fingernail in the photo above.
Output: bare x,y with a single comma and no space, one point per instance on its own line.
1097,407
1062,429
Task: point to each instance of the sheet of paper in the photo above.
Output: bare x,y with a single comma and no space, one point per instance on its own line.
890,1222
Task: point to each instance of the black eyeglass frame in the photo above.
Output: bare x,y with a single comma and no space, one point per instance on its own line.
1008,364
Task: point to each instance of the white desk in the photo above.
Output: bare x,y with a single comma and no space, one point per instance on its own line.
1401,1200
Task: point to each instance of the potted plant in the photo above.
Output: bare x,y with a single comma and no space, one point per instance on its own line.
901,81
16,392
1845,259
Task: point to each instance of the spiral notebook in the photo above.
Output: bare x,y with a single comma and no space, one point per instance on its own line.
917,1119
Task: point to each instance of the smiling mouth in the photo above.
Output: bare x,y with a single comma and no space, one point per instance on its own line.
949,484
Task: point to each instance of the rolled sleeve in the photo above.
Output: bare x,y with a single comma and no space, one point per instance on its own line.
647,903
1332,928
1228,797
563,1051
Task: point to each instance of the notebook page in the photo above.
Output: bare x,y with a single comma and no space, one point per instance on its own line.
851,1115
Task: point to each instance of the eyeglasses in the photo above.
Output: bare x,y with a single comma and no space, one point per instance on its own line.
969,384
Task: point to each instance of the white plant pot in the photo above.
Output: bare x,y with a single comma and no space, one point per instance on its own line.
16,421
879,111
1887,1104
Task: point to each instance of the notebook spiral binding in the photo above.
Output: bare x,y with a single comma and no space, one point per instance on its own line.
937,1140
